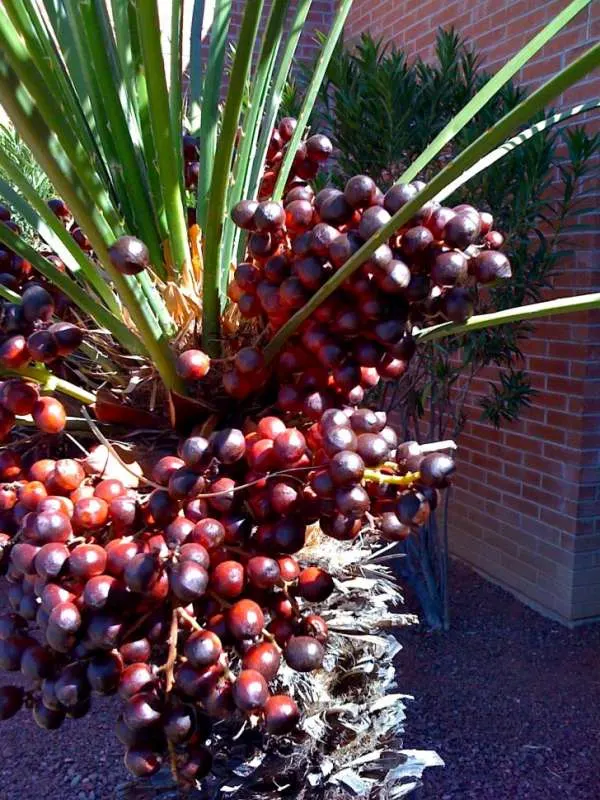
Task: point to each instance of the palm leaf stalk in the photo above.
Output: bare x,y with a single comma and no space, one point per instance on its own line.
205,96
251,127
215,217
196,68
106,80
165,148
311,94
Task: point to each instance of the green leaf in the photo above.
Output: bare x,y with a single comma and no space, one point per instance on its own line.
311,95
276,94
175,83
97,52
140,92
221,175
120,17
39,117
491,88
40,42
166,148
512,144
561,305
210,105
196,75
251,128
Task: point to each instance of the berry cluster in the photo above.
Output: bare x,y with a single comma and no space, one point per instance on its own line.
423,274
187,601
192,597
28,333
309,156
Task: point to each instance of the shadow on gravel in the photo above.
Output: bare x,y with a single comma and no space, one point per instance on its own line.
508,698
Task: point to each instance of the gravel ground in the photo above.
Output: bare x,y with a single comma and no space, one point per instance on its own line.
509,699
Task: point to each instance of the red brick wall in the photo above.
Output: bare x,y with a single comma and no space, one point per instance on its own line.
526,506
319,19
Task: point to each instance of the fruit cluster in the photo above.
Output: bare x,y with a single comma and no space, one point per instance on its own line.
187,600
309,156
192,596
363,332
29,333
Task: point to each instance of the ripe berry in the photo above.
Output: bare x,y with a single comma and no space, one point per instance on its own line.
49,415
263,658
315,626
227,579
250,691
490,266
372,220
136,651
14,352
436,470
304,654
203,649
72,686
179,723
288,535
11,700
37,304
67,336
87,560
360,191
289,568
461,230
346,468
263,572
318,148
243,214
228,445
286,128
315,585
281,714
269,216
141,711
289,446
135,678
142,763
51,559
46,718
129,255
18,396
391,527
103,673
51,526
245,619
193,365
188,581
